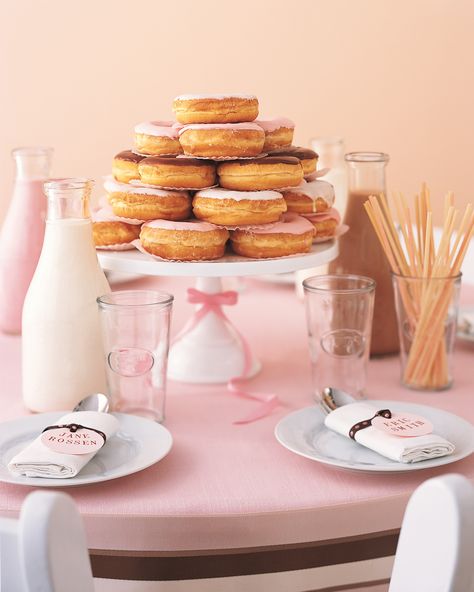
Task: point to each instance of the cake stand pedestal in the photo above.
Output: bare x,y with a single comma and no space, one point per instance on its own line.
212,351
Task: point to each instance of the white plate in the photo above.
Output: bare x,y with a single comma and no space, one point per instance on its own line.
304,433
462,333
138,444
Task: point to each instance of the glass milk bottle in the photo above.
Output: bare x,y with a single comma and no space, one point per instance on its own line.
360,251
22,233
63,359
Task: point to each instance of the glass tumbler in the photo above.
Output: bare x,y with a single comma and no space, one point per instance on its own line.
135,330
427,311
339,311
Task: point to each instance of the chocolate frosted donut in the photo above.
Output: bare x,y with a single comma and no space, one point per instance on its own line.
186,173
307,157
270,172
125,166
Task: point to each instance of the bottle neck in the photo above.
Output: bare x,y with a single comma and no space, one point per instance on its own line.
367,171
68,199
32,164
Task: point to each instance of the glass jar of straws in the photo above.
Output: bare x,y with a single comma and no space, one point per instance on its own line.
426,281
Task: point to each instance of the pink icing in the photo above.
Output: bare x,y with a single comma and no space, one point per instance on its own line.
224,126
220,193
271,125
290,223
331,214
186,225
314,189
157,128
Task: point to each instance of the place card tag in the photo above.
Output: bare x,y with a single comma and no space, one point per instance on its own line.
405,425
73,439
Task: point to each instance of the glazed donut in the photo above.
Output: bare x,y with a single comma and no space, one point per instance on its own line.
147,203
157,138
294,234
187,173
215,140
235,208
125,166
106,233
308,158
278,132
309,197
183,241
325,224
215,108
269,172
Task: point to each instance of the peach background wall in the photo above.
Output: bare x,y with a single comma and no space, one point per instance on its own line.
390,75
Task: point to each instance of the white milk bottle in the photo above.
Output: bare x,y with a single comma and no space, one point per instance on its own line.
63,359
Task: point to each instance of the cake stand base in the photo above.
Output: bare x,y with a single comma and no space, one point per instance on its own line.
212,351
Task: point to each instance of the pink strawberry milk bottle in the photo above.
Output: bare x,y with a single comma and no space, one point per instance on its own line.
22,233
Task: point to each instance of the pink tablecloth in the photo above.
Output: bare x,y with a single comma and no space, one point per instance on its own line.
228,486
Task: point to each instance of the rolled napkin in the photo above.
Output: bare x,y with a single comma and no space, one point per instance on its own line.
401,449
466,322
37,460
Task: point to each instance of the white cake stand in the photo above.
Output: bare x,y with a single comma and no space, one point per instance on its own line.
212,352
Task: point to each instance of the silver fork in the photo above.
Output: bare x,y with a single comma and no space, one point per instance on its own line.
332,398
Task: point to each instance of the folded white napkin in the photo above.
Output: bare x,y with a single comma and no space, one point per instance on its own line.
400,449
466,322
37,460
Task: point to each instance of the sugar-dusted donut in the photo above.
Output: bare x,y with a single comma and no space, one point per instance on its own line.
107,233
294,234
187,173
278,132
309,197
215,108
217,140
183,241
308,158
325,224
125,166
147,203
157,138
269,172
235,208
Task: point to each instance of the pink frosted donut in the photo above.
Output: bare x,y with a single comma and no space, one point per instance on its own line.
183,241
310,197
278,132
325,224
217,140
292,235
157,138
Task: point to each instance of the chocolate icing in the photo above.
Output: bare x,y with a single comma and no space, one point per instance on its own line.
171,160
129,156
301,153
273,159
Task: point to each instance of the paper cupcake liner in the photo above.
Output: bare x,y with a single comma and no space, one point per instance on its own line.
151,155
136,183
248,226
219,158
316,175
117,247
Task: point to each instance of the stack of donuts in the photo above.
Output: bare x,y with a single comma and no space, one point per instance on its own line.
217,174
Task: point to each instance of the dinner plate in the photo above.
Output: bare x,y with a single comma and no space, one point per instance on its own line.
461,332
304,433
138,444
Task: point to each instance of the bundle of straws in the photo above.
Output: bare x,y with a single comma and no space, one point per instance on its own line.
410,248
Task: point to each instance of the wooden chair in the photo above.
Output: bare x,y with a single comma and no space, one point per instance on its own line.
435,551
45,550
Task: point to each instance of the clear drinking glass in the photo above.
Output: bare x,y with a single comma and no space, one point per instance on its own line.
427,311
135,329
339,310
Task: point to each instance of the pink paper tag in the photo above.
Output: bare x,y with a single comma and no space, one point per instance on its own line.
406,425
82,441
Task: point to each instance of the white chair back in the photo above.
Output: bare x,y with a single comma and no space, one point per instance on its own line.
436,545
46,549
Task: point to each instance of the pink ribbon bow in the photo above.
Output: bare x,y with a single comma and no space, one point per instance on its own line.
214,303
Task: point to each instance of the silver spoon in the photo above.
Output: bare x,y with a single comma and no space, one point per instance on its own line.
95,402
332,398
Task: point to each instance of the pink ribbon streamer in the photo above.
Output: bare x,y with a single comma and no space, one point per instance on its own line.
214,303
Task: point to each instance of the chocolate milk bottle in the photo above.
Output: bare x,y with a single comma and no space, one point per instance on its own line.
360,251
